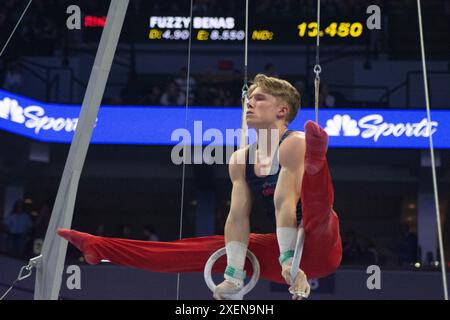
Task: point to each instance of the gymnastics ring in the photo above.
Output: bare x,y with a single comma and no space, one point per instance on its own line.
247,288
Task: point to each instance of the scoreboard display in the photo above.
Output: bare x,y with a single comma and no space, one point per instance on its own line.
231,30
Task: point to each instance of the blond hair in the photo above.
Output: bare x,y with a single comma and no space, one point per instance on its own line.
280,89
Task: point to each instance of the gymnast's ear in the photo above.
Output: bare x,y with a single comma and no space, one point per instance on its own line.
283,110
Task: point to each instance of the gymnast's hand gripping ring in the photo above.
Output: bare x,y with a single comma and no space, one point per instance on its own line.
247,288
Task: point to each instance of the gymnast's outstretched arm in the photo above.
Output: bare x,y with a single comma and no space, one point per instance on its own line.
237,227
287,194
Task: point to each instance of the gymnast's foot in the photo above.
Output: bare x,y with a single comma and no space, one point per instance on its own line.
226,290
316,147
81,241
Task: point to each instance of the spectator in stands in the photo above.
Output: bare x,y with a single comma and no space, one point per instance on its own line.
100,230
181,81
373,256
408,246
326,99
352,249
173,96
153,98
18,225
223,98
13,78
125,231
204,96
149,233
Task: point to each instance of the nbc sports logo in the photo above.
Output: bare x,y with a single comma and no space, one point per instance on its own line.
373,126
342,123
34,117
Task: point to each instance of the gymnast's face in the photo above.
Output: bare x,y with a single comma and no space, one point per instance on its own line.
264,109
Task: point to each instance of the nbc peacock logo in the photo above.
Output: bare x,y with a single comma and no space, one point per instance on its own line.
342,125
10,110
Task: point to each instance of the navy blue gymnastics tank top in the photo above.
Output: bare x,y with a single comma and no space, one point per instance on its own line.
263,188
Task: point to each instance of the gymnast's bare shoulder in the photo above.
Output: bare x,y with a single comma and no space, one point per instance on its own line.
236,166
292,150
